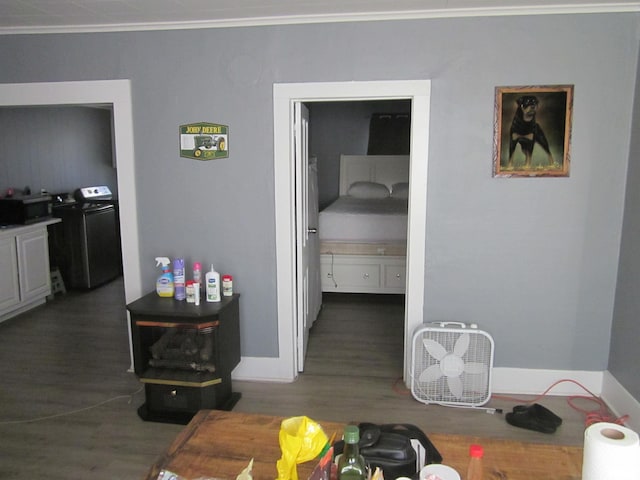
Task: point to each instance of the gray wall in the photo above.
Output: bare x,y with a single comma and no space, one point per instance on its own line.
57,149
533,261
625,334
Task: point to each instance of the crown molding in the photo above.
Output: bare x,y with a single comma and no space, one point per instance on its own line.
515,10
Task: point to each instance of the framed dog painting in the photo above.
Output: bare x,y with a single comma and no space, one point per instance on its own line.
532,131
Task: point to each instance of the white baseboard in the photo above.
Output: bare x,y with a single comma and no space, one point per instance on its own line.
527,381
522,381
514,381
620,401
262,369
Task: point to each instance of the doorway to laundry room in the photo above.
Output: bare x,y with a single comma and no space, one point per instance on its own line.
64,153
117,95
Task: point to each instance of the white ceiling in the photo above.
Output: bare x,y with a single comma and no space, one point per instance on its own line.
52,16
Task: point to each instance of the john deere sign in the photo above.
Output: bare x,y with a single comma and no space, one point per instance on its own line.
204,141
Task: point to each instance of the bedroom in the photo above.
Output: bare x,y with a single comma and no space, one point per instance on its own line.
353,272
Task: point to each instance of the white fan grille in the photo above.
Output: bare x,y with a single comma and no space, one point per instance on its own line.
461,379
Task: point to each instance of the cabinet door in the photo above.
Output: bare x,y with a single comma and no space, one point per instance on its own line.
9,286
33,262
350,273
395,276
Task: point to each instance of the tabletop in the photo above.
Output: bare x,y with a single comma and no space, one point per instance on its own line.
221,444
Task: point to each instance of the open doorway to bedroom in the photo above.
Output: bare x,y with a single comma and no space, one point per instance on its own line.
362,238
286,98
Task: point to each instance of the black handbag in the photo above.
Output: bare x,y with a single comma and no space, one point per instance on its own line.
400,450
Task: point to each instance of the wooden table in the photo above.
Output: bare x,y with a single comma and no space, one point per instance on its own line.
220,444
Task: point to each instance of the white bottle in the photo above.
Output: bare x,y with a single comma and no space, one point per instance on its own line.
212,285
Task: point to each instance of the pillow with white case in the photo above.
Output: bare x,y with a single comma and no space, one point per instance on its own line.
400,190
368,190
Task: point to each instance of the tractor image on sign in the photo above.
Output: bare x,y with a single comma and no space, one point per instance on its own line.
204,141
207,142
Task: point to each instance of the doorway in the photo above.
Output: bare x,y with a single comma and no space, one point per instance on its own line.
117,95
285,98
354,128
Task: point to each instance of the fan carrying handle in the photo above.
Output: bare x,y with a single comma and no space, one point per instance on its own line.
446,324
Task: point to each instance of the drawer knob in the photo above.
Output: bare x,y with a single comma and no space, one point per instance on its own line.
173,393
397,275
366,275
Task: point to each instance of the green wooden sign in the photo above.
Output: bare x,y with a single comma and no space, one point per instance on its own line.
204,141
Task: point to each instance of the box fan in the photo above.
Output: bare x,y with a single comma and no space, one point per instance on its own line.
451,364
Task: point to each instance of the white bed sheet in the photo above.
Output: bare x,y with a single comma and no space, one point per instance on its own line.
351,219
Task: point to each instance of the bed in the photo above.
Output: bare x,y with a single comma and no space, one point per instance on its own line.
363,233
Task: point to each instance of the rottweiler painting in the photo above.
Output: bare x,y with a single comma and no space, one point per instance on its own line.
526,132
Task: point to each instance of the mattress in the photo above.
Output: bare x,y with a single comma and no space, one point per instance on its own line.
360,220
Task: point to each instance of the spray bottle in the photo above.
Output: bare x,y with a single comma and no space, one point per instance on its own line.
179,279
164,284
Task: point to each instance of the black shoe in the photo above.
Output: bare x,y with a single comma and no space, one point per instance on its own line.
534,417
540,412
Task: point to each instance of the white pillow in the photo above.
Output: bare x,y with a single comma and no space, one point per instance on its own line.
400,190
368,190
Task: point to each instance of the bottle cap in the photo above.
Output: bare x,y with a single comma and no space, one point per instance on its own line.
197,266
227,277
351,434
476,451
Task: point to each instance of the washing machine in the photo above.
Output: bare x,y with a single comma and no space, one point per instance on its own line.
87,247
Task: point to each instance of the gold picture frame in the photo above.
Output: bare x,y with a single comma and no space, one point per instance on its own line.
532,131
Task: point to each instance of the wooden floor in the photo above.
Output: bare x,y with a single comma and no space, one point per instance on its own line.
69,403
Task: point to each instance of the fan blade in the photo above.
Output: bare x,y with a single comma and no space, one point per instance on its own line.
430,374
462,344
455,386
436,350
475,367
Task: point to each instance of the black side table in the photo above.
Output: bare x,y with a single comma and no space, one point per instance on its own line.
184,354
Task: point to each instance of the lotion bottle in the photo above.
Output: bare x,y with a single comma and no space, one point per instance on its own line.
212,283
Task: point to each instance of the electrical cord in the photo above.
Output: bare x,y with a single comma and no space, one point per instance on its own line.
333,279
72,412
600,414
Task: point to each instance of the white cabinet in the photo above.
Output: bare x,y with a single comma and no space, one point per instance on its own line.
363,273
33,264
9,280
24,261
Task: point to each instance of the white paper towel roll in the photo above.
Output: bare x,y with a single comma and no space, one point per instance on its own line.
611,452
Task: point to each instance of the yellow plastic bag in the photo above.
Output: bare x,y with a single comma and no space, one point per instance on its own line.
301,440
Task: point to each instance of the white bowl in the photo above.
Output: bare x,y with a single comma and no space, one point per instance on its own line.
443,471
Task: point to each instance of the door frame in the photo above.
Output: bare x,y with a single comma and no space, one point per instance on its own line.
117,95
285,95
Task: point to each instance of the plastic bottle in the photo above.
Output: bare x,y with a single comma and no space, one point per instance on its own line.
351,465
197,273
191,292
227,286
212,280
179,279
164,284
475,469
